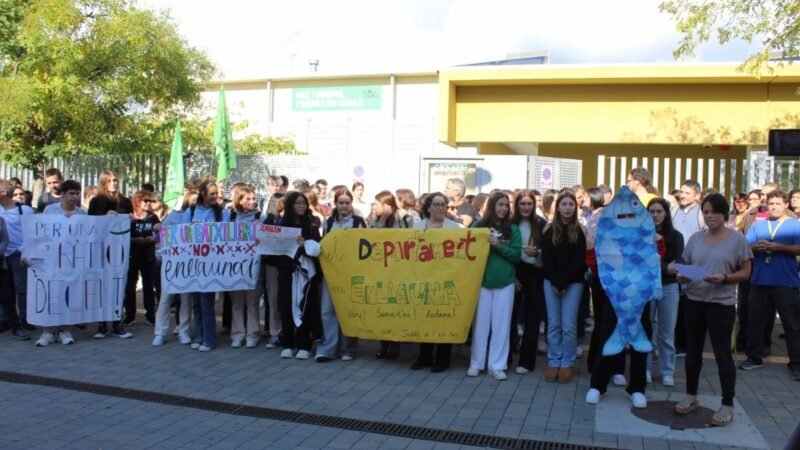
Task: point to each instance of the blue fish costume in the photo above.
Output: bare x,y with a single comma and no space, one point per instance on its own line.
629,267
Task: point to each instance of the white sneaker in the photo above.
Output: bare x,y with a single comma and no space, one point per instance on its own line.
236,343
473,372
287,353
45,339
175,331
579,352
272,342
347,357
185,340
521,370
302,354
668,381
593,396
251,343
204,348
649,377
619,380
499,375
65,337
195,345
158,340
639,400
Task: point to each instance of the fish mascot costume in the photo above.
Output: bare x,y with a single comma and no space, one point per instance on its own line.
629,267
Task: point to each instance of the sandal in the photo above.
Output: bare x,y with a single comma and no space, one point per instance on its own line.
723,416
687,405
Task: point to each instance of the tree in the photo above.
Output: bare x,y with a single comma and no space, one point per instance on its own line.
198,139
775,24
91,76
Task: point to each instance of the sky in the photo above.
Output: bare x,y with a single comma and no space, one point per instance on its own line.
249,39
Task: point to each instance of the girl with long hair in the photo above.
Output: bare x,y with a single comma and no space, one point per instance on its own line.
144,229
297,214
108,200
563,255
530,276
549,204
245,303
407,202
342,217
359,205
496,299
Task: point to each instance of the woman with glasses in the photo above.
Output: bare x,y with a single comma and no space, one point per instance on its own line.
144,229
435,356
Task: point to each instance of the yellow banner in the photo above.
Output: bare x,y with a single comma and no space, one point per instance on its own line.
403,284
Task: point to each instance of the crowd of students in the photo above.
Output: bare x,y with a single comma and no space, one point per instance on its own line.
541,275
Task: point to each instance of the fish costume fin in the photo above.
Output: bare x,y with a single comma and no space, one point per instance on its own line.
638,339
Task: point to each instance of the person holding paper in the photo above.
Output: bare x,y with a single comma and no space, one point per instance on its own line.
711,305
245,327
342,217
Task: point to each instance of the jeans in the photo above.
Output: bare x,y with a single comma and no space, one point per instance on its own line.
717,320
663,315
562,324
205,319
19,275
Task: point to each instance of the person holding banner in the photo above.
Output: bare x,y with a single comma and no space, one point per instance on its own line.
434,215
272,316
109,201
386,214
563,255
144,225
68,206
342,217
245,327
207,209
296,214
496,299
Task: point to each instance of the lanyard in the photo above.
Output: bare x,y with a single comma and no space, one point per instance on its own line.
772,232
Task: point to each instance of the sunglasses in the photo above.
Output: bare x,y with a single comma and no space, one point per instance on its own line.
148,201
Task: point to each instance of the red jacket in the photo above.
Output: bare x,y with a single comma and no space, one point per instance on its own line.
591,257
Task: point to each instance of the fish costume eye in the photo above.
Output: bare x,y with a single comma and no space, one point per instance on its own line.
635,203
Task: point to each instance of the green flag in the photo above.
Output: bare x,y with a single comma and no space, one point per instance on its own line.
223,140
173,191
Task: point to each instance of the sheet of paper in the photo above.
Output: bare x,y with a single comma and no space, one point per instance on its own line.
691,272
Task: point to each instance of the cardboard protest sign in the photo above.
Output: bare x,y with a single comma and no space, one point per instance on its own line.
209,257
404,284
275,240
78,267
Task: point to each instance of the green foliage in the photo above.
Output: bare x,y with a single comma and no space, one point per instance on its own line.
774,24
91,76
198,138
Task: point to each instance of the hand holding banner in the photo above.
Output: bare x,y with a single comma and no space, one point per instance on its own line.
404,284
275,240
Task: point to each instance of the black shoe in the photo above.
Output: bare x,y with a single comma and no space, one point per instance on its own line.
750,364
20,334
795,374
26,326
419,365
393,351
322,358
4,326
381,353
438,369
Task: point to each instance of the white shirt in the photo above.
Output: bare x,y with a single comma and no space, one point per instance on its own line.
14,225
55,208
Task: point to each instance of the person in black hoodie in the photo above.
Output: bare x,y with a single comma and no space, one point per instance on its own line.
144,226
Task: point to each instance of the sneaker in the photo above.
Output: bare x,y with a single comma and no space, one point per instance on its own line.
521,370
65,337
175,331
149,323
287,353
251,343
750,364
473,372
100,334
272,342
579,352
667,381
680,354
619,380
322,358
45,339
185,340
129,323
158,340
347,357
541,348
204,348
195,345
302,354
649,377
121,332
639,400
593,396
236,343
21,335
499,375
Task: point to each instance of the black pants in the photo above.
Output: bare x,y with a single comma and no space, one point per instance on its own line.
607,366
291,336
602,307
680,324
436,355
743,311
583,310
764,300
136,267
227,310
534,310
8,299
717,320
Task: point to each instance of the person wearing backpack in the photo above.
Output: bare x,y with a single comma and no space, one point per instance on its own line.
245,327
386,214
207,209
342,217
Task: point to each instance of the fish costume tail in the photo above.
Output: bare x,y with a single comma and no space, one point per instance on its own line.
636,336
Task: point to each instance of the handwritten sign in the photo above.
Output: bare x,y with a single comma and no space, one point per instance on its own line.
78,267
405,285
275,240
209,257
